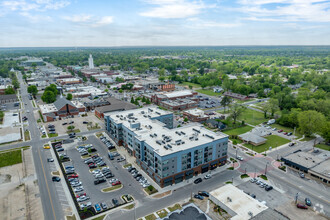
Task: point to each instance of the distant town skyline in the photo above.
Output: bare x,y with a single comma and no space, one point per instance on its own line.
80,23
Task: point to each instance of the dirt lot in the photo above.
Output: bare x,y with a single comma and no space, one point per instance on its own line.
209,208
18,188
78,123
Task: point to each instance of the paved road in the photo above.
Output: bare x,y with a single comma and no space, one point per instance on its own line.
50,203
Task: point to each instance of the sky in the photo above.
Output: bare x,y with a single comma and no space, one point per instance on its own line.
97,23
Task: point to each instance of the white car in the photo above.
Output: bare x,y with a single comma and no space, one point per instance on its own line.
82,198
78,189
145,185
113,180
240,158
96,171
208,176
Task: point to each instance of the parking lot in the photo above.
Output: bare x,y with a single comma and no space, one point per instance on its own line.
61,126
96,196
273,197
9,106
206,102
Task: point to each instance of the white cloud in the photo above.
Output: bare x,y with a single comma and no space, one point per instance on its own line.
35,18
287,10
90,20
174,8
37,5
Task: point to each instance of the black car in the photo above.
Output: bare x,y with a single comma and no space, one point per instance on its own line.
199,197
72,136
198,180
115,202
71,122
98,181
268,188
56,179
203,193
253,196
60,149
85,122
64,123
289,134
308,201
51,129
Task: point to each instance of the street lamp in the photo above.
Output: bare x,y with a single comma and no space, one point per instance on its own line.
296,197
266,168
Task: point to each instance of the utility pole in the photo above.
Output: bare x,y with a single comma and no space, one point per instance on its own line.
296,197
266,169
255,172
236,152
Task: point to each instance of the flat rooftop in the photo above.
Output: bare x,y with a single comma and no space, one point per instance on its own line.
47,108
323,168
164,141
178,102
177,93
196,112
304,159
238,201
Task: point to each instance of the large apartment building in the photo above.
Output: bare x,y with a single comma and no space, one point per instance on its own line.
168,155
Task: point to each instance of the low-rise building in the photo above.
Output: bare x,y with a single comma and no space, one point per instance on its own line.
314,164
168,87
167,155
158,97
178,104
236,96
112,105
195,115
38,62
61,108
8,98
69,81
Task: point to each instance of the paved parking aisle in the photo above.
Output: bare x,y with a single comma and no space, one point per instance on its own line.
59,186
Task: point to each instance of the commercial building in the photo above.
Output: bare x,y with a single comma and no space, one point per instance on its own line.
61,108
167,155
317,164
30,62
112,105
8,98
236,96
69,81
179,104
255,136
158,97
195,115
161,86
237,203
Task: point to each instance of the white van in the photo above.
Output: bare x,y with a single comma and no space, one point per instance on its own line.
271,121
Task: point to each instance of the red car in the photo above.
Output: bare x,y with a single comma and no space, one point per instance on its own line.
116,183
73,176
301,206
82,194
279,131
285,133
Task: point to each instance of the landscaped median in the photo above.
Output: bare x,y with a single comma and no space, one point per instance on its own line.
112,188
150,190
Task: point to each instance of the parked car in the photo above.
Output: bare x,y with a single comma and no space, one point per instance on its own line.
46,147
64,123
98,181
56,179
78,189
285,133
104,206
60,149
198,180
50,160
203,193
207,176
115,202
73,176
291,144
268,188
253,180
198,197
82,198
308,201
116,183
240,158
301,206
97,207
253,196
302,175
279,131
85,122
80,195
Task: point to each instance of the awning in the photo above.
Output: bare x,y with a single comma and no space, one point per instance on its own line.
179,176
214,163
189,172
205,166
168,180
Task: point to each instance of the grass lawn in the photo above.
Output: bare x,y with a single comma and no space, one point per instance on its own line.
244,176
75,131
175,207
286,129
111,188
208,92
99,218
52,135
238,131
27,135
98,135
129,206
150,217
152,191
262,176
127,165
1,116
228,182
323,146
252,117
272,141
162,213
9,158
191,84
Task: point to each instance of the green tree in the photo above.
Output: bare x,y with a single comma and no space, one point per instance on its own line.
236,111
132,100
120,91
9,90
311,122
144,99
273,105
33,90
120,80
48,97
326,131
71,127
69,96
265,109
185,119
148,102
15,83
225,101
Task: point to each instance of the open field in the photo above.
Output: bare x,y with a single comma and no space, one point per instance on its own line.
208,92
272,141
238,131
252,117
191,84
9,158
323,146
